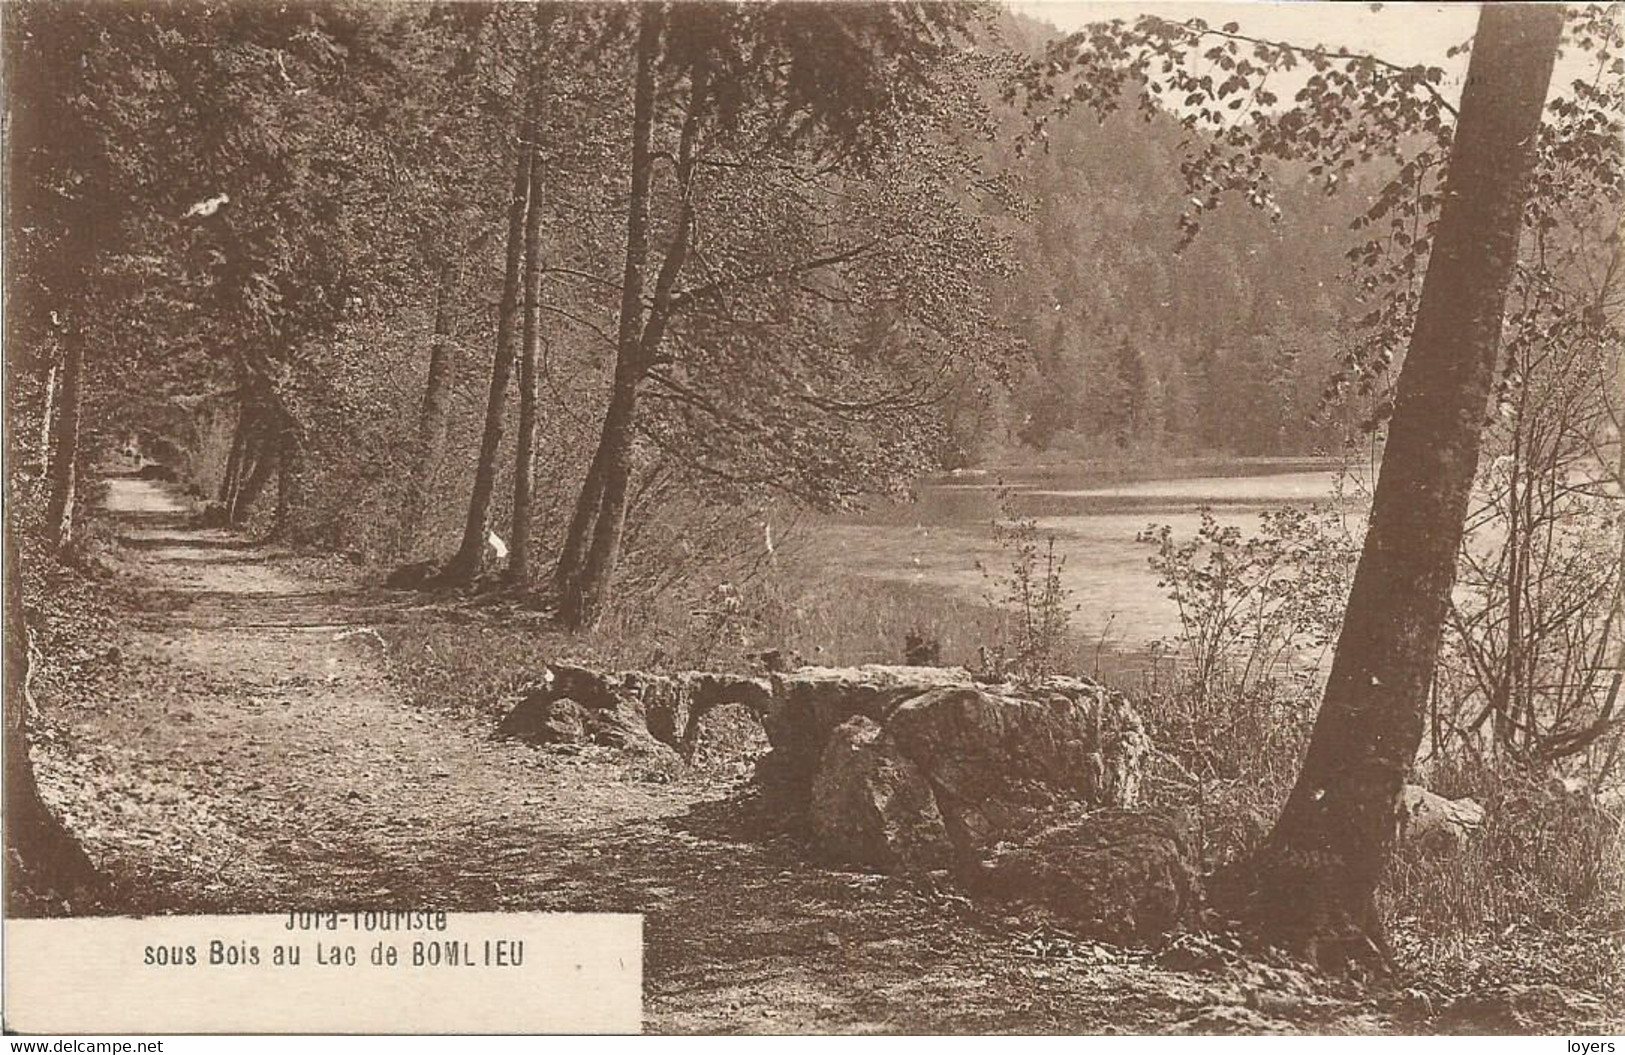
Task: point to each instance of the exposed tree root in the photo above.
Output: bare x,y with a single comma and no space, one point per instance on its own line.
1300,903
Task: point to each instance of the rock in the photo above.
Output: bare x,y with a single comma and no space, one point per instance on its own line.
897,768
885,762
1120,875
565,722
1434,821
413,576
632,711
709,692
872,806
541,718
652,713
1000,762
808,704
157,471
547,716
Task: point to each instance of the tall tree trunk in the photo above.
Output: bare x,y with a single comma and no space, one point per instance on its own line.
623,396
231,479
592,549
430,436
1310,887
64,463
530,350
289,486
44,863
465,565
265,458
593,587
48,414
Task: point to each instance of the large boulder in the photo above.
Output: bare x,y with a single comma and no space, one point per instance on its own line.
543,719
807,705
576,705
872,806
1054,723
998,763
907,768
1116,874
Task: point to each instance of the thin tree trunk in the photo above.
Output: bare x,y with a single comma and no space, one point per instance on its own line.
584,605
48,415
617,420
590,588
524,470
432,416
593,589
64,464
231,480
1310,887
465,565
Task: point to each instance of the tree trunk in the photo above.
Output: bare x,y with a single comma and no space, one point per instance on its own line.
64,459
465,565
1310,888
584,606
430,437
44,862
231,479
610,529
48,414
618,419
584,592
530,350
265,460
289,487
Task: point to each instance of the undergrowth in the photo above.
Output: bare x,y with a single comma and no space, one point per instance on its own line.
1229,731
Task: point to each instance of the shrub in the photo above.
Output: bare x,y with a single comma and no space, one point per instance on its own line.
1231,701
1036,606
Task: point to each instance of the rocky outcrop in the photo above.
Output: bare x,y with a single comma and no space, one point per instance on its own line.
632,710
872,805
997,758
998,762
1025,789
1116,874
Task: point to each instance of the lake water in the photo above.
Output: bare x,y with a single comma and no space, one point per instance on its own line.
944,536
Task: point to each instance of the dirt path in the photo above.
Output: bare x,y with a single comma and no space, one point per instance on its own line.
256,758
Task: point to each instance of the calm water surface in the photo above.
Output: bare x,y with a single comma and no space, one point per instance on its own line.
943,537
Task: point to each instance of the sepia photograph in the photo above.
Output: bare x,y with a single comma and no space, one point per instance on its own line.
813,517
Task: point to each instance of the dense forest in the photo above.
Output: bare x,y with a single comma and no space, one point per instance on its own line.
362,246
553,314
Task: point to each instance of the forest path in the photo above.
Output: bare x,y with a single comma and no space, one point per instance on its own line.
253,756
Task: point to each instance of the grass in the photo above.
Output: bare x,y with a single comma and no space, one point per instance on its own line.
1542,871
